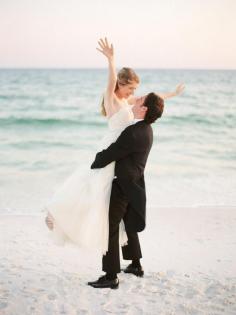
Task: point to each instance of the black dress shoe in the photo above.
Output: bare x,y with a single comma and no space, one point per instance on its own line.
137,271
103,282
96,281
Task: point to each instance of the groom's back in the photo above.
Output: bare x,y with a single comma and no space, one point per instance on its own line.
132,166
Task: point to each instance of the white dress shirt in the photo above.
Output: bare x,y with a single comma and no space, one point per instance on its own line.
136,120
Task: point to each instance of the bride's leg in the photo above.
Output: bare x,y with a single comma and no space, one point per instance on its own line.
49,221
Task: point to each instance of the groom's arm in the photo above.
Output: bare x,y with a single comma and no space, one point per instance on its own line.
124,145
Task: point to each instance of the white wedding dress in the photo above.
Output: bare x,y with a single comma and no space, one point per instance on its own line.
80,207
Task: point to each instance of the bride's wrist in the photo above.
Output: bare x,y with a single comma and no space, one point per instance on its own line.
111,59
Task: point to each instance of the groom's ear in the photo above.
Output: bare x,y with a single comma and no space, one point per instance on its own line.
144,109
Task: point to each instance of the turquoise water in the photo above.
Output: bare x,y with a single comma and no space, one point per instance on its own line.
50,124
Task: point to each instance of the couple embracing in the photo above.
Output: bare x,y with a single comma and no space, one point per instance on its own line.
106,206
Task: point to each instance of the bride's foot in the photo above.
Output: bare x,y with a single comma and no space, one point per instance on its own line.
49,221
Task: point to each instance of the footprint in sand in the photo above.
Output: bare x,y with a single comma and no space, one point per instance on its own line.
40,290
191,293
52,297
3,305
212,290
153,289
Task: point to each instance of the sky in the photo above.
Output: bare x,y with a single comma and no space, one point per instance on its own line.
145,34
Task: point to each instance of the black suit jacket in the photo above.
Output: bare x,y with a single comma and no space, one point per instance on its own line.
130,151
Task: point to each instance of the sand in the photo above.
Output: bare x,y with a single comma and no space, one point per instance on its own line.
189,259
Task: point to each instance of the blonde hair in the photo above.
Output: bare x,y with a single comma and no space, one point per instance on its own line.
125,76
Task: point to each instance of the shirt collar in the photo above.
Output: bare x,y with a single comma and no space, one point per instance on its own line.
136,120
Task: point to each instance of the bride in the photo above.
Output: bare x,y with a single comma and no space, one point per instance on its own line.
78,210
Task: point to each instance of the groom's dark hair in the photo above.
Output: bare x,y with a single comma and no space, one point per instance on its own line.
155,107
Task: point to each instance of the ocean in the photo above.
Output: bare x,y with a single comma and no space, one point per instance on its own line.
50,124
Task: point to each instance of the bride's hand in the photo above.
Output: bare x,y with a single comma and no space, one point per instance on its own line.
105,49
179,89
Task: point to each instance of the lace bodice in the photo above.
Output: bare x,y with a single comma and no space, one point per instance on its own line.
116,124
121,119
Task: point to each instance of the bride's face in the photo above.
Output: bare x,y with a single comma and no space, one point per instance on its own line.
125,91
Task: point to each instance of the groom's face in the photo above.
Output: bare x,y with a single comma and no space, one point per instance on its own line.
139,110
139,100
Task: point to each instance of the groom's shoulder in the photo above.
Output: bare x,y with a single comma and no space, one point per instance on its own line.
138,126
138,129
142,125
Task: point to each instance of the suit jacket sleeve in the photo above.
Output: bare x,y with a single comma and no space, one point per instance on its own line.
124,145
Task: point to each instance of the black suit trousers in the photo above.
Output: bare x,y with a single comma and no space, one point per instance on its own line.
117,210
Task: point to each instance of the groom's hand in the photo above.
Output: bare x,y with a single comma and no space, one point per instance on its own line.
96,163
93,165
124,145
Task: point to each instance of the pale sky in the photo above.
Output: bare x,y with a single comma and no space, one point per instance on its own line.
145,33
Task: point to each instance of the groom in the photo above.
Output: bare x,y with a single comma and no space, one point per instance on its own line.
128,197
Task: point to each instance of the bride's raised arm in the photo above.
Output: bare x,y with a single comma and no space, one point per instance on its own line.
178,90
108,51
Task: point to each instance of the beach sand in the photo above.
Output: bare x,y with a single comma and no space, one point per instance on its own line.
189,258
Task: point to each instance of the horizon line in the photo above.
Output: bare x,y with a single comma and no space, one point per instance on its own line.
106,68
